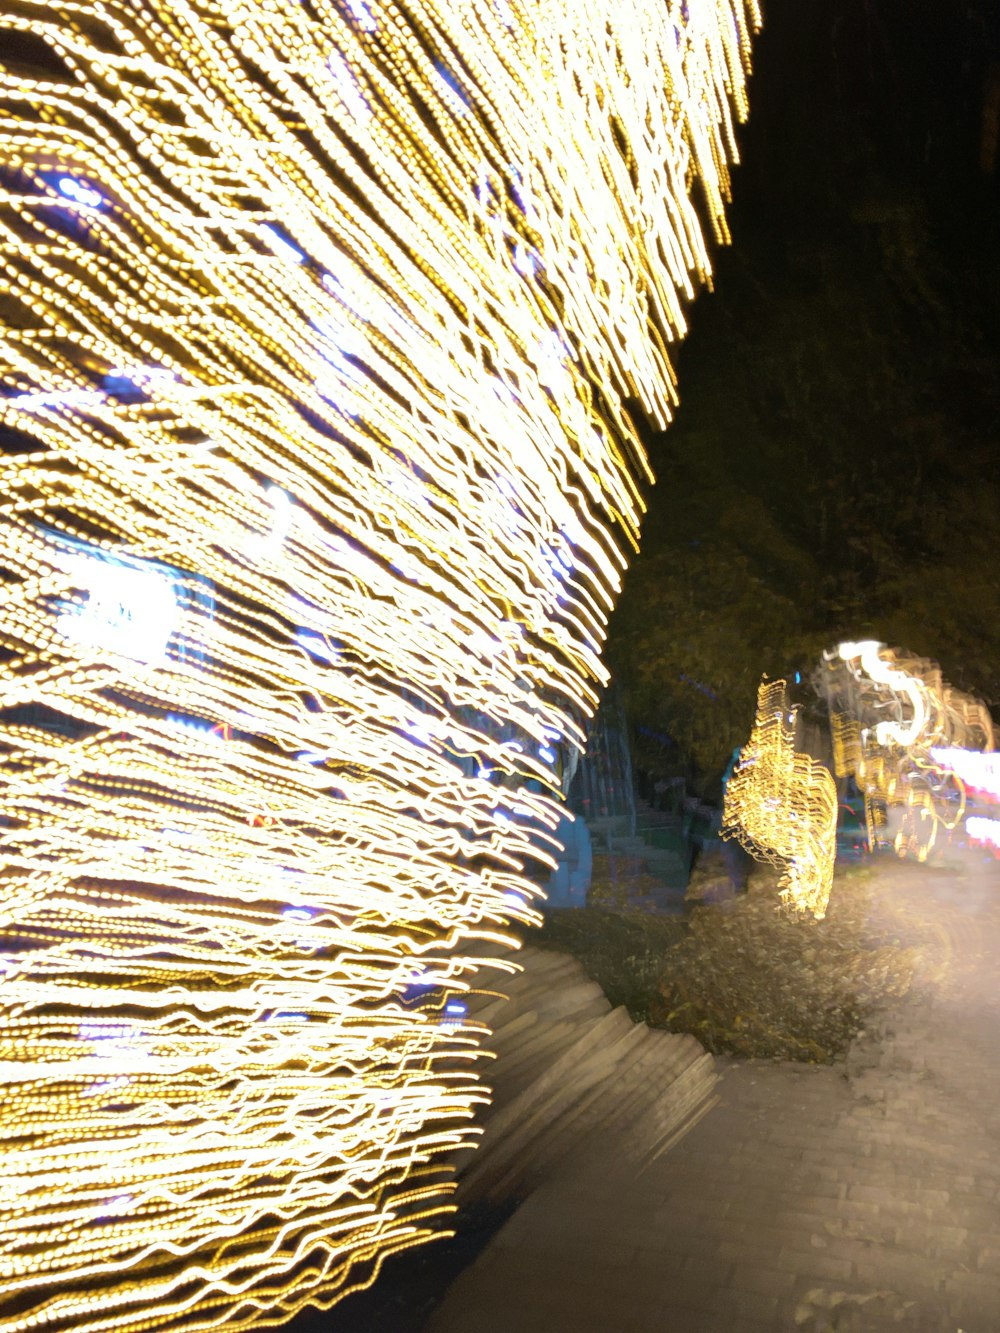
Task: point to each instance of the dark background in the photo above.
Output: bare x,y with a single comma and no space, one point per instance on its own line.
832,470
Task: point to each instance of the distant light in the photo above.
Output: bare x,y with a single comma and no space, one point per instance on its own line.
452,88
983,830
204,730
297,914
524,260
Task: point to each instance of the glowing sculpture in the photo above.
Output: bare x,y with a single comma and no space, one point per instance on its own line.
782,806
322,325
895,723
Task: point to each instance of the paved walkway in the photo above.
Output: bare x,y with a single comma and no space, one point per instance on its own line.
858,1197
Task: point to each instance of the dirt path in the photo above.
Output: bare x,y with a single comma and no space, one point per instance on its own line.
865,1196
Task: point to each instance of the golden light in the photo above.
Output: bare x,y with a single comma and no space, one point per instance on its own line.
894,721
782,806
325,327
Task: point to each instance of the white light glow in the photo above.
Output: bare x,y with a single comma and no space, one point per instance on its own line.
983,830
128,610
977,769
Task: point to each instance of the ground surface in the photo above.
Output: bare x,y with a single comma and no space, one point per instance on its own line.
859,1196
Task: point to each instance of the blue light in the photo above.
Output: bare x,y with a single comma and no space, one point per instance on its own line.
363,15
297,914
316,646
86,195
281,245
452,85
195,724
548,755
455,1007
66,398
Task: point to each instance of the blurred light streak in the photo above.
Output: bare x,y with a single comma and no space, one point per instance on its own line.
899,730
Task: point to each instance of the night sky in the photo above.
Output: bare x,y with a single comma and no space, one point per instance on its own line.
832,468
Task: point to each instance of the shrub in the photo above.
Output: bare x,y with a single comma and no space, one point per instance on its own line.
751,979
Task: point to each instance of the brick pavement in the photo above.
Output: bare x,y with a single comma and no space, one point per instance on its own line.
864,1196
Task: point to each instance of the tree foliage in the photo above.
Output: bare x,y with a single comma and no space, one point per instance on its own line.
831,471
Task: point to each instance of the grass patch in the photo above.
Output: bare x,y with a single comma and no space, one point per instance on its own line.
622,951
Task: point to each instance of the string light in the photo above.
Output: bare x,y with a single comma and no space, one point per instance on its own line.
783,806
325,328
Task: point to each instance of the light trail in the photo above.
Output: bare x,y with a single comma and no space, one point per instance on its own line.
325,329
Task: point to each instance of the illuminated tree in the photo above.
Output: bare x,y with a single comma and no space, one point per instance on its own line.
782,805
327,325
